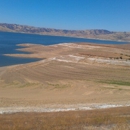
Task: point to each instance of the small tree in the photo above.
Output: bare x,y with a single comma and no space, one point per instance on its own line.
120,57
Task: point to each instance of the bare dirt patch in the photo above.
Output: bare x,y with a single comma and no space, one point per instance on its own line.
68,74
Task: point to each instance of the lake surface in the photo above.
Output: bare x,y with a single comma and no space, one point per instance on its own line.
8,42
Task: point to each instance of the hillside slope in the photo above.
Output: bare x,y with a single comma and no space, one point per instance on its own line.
96,34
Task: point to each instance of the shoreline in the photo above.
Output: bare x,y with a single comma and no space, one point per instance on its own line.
73,77
72,107
127,42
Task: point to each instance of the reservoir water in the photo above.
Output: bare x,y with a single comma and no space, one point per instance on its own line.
8,42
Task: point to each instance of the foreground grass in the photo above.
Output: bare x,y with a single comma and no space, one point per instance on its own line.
110,119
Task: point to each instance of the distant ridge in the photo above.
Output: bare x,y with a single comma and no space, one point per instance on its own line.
95,33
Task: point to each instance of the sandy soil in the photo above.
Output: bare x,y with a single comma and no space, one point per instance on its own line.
69,74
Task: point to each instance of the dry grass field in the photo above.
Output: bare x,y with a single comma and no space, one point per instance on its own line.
67,74
107,119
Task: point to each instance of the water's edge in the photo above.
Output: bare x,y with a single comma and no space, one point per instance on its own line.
78,107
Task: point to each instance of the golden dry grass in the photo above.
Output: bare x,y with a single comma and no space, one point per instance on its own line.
107,119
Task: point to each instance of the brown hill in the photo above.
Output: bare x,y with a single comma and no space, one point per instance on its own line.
96,34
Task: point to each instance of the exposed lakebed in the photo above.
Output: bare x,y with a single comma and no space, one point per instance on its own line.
9,41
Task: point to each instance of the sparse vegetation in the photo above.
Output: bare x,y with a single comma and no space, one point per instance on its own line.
109,119
59,85
117,82
28,85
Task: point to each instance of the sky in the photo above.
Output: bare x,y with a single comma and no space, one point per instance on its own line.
113,15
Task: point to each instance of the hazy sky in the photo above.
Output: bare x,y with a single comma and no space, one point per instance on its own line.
112,15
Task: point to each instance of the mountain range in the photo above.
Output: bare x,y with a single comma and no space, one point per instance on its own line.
94,33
